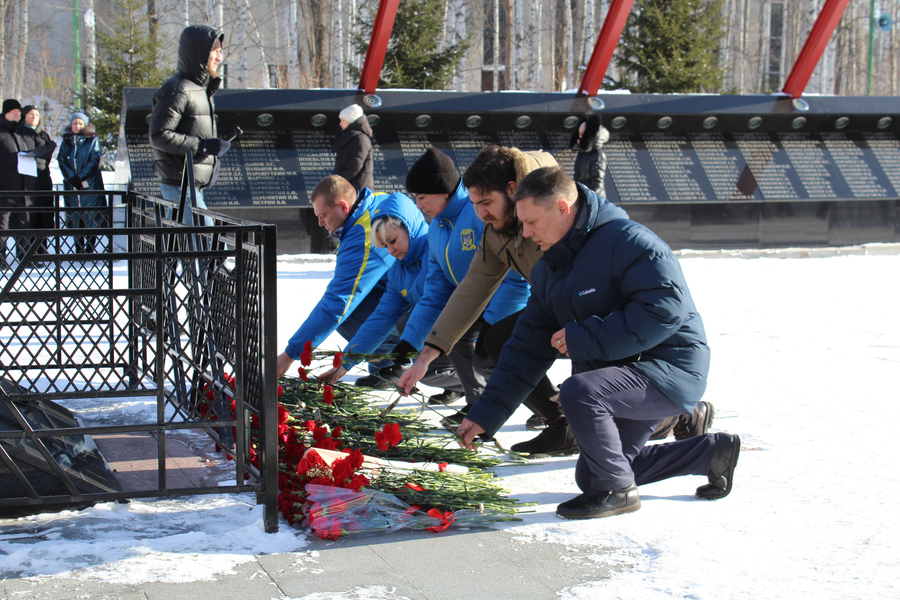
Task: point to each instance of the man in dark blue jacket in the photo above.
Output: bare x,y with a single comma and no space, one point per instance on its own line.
609,294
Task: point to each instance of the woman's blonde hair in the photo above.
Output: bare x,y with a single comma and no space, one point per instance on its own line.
382,224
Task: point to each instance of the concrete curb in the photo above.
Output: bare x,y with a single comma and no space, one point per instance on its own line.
825,252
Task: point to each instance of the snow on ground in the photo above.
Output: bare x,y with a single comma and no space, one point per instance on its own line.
805,360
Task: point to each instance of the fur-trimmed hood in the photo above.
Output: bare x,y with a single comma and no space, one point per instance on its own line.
526,162
594,134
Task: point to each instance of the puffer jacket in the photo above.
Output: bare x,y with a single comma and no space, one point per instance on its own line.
620,293
453,238
590,162
184,112
80,156
405,286
497,254
354,154
360,269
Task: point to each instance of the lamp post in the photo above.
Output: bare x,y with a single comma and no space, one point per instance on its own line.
76,53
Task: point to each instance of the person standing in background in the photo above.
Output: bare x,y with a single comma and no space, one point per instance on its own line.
354,149
16,139
183,116
79,161
31,118
590,162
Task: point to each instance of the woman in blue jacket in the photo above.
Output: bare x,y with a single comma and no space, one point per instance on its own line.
401,230
79,160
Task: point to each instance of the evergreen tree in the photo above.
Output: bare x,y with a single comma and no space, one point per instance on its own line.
672,47
129,56
412,59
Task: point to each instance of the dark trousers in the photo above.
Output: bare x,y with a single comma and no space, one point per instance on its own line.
612,413
12,219
538,401
473,370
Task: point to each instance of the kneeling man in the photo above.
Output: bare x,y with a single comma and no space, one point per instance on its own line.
609,294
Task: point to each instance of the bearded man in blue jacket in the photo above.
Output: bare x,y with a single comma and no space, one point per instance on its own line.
360,270
609,294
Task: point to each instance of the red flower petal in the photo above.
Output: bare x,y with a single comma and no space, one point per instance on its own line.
338,356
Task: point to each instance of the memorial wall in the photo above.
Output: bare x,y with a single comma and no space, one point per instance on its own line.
662,151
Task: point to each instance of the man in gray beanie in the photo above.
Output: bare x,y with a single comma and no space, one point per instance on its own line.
454,234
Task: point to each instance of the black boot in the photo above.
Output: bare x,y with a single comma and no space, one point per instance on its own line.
696,423
596,504
445,397
721,467
556,440
536,423
384,379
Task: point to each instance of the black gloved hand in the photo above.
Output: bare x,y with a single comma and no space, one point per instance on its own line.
214,146
402,351
75,182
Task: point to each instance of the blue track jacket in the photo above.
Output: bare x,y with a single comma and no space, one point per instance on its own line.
453,237
406,283
360,267
621,295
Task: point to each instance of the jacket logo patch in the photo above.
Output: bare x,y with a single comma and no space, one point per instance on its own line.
586,292
468,239
403,293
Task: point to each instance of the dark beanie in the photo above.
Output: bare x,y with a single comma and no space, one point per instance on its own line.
11,104
433,173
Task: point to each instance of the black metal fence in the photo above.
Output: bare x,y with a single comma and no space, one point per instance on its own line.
154,308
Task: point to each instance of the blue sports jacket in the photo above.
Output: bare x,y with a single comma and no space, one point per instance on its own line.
621,295
453,237
359,268
406,283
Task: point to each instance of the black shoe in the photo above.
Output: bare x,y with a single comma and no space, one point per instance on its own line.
556,440
445,397
373,381
452,422
596,504
536,423
721,467
696,423
385,379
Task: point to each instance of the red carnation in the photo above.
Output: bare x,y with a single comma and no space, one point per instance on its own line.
280,391
389,436
337,360
441,467
302,373
305,358
328,395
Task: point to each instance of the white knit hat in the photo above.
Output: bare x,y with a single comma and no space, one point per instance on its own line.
352,113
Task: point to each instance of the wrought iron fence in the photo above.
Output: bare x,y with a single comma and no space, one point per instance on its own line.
154,308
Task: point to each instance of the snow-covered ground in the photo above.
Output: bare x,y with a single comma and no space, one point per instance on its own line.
806,356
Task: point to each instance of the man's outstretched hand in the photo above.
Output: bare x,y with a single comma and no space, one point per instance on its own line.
417,371
284,363
467,432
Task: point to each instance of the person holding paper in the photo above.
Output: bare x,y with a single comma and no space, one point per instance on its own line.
19,145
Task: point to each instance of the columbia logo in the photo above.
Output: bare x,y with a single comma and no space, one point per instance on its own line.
586,292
